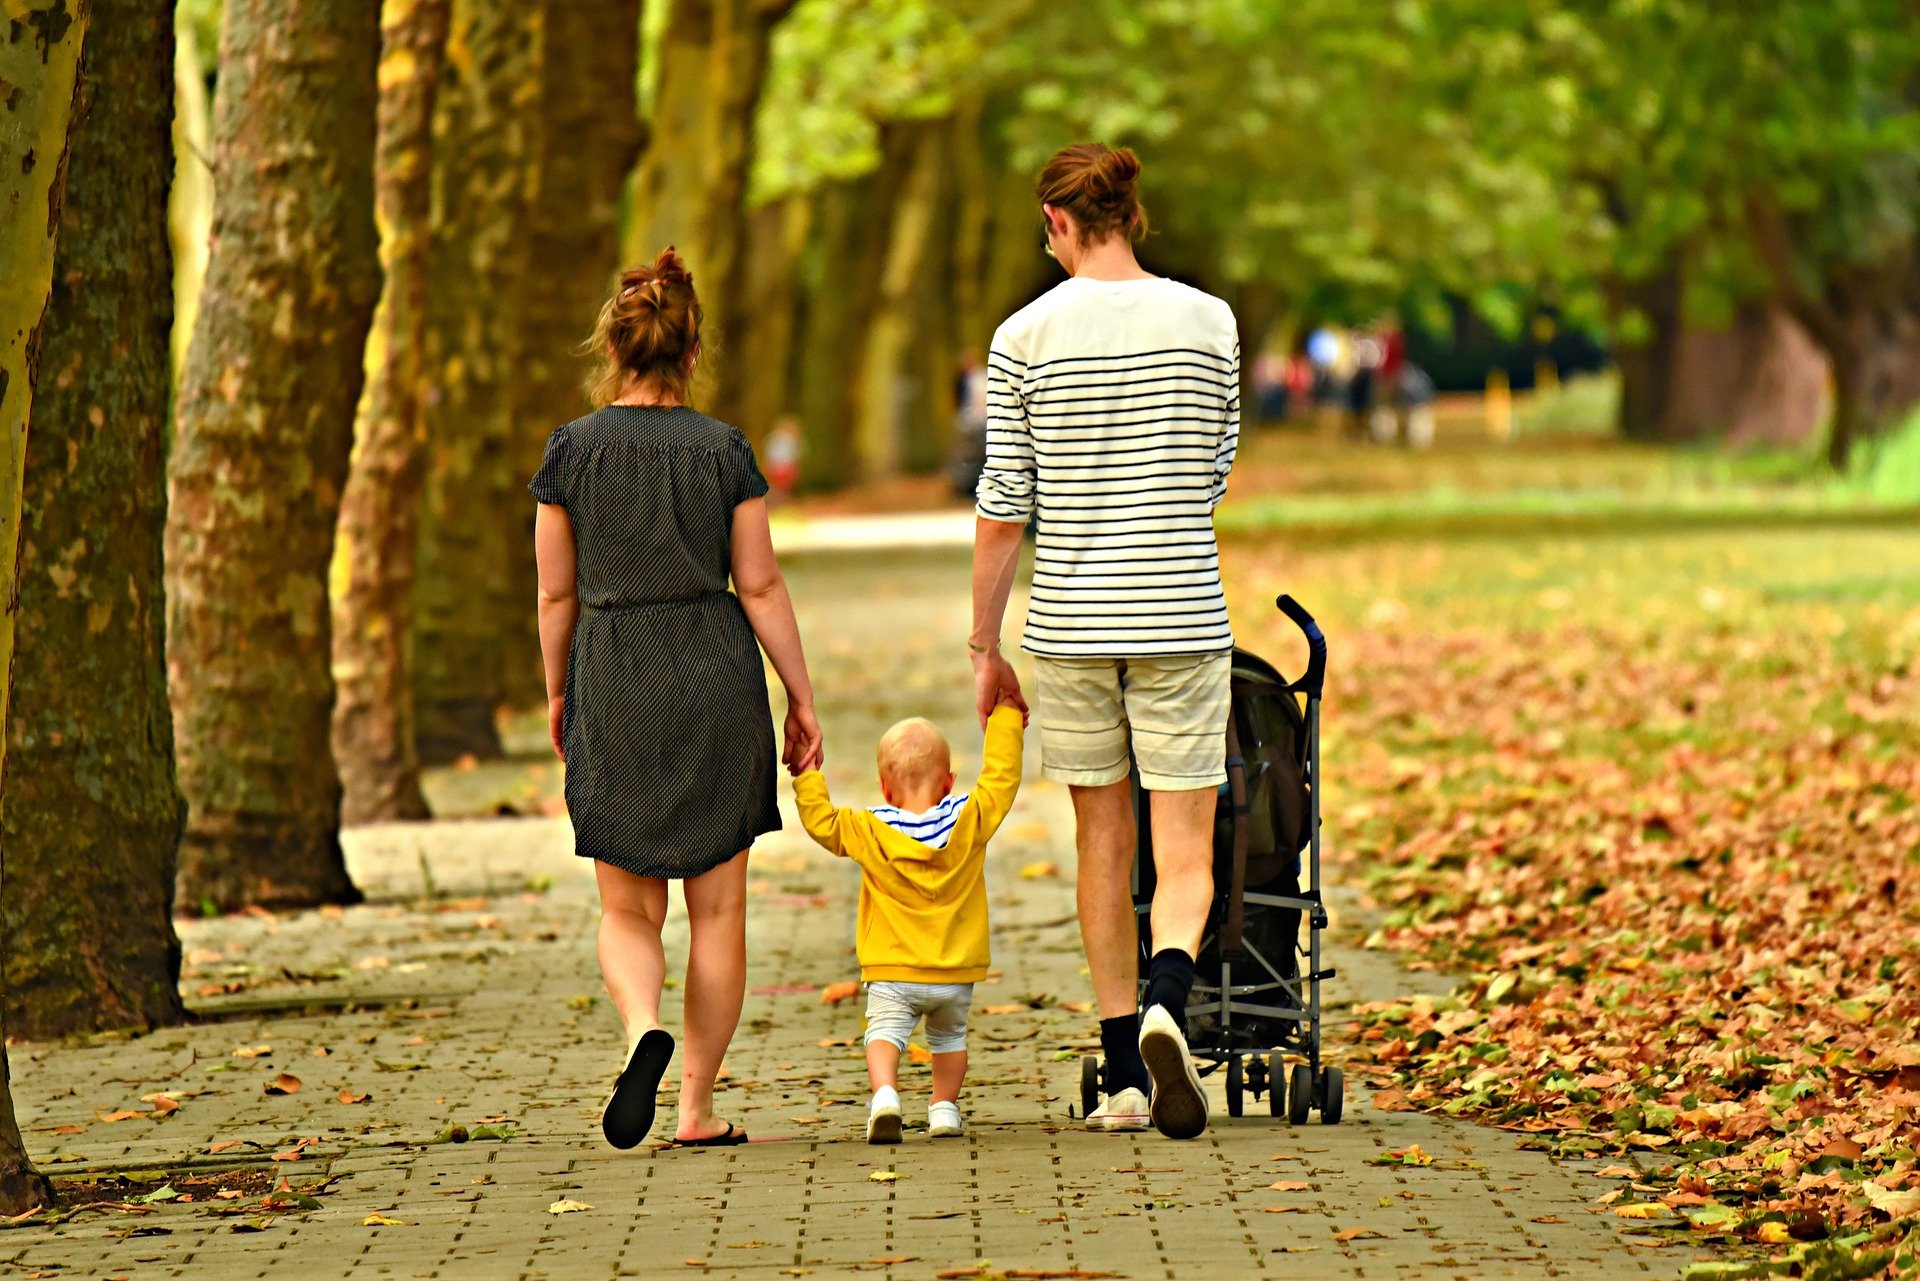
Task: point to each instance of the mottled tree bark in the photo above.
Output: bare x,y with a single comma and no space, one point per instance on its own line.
39,64
692,186
839,278
589,139
190,203
892,383
375,546
265,427
762,366
92,815
484,147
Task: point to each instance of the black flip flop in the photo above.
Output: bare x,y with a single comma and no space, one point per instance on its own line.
629,1113
731,1137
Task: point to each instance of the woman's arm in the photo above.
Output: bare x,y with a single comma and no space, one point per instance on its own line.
554,551
763,594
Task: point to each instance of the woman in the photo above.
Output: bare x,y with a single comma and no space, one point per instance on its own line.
1114,414
656,698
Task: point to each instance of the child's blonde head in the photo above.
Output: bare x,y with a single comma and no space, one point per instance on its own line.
914,758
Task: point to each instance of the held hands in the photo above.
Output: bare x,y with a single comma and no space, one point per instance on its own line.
805,747
995,685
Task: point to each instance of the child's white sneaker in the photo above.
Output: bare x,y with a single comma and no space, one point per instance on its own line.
943,1121
883,1117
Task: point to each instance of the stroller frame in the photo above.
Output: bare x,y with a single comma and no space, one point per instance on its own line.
1259,986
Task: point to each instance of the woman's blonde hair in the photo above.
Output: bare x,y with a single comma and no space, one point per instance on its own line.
647,330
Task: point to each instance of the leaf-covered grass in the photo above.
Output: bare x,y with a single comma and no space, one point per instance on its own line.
1657,792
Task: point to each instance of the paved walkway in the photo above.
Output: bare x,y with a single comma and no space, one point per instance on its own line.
465,993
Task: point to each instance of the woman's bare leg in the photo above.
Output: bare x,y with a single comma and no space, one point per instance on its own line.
716,987
632,910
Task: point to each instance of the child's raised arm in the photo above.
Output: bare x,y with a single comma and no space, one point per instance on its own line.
1000,766
817,812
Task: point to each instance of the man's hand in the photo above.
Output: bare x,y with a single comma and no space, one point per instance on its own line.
994,685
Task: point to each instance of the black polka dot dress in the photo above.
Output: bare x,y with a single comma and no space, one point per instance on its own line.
669,738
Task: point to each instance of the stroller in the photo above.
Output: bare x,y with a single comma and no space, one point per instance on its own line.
1252,1008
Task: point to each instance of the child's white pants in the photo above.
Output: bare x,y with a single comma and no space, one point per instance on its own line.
894,1008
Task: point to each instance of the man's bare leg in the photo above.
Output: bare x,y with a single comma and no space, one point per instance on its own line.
1106,839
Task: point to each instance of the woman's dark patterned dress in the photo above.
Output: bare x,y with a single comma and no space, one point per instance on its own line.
669,739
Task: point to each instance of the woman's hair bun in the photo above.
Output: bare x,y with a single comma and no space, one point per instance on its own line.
649,330
1099,186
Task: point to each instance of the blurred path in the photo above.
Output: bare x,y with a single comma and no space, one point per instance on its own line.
466,993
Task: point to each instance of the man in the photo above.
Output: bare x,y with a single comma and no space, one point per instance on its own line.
1114,415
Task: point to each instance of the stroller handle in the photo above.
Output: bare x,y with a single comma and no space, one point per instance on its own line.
1315,679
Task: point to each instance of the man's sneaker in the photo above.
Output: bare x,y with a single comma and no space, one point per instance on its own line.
883,1118
1179,1104
943,1121
1126,1110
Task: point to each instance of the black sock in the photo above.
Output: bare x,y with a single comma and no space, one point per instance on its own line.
1120,1046
1169,980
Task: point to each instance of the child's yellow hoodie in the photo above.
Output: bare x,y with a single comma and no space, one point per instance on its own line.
923,911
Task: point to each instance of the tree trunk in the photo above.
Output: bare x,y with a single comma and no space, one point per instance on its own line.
1876,374
1758,380
839,281
92,815
588,140
762,366
40,66
916,152
190,203
265,427
1646,365
485,142
692,187
374,548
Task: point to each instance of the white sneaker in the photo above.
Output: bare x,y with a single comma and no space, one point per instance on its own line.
943,1121
1126,1111
1179,1104
883,1117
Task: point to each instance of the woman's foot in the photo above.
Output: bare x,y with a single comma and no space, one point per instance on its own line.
709,1132
628,1115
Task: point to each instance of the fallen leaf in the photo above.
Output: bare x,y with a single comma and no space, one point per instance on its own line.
378,1220
1618,1172
1035,871
285,1083
1772,1232
1641,1210
225,1144
1290,1185
1345,1235
1895,1204
919,1054
883,1176
252,1051
124,1114
567,1206
348,1096
835,993
1546,1218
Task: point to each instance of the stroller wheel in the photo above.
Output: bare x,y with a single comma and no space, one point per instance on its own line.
1276,1086
1236,1087
1333,1092
1299,1094
1089,1085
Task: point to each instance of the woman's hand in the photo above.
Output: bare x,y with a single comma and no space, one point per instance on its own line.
556,722
805,746
994,683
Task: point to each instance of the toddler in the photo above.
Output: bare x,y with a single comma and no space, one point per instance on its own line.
922,929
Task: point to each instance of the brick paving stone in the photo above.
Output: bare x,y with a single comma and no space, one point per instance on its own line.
466,989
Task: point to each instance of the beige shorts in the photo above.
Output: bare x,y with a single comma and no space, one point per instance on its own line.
1171,711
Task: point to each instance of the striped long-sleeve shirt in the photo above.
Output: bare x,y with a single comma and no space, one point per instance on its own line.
1113,417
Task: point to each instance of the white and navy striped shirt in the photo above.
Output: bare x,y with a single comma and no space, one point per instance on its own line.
1113,417
933,827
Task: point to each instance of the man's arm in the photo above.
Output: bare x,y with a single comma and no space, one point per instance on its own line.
1006,499
1229,445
